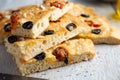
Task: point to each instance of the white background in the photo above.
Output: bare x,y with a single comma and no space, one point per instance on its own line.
105,66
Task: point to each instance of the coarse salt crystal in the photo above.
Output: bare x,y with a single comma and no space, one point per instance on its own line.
107,29
31,13
7,16
25,15
42,7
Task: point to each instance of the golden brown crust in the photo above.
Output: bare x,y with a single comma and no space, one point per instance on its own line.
78,9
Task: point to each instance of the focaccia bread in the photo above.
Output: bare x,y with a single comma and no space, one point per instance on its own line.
4,25
31,21
65,28
100,31
69,52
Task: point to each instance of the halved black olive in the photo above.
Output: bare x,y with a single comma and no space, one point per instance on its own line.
7,27
28,25
66,60
49,32
40,56
96,31
85,15
15,11
12,39
71,26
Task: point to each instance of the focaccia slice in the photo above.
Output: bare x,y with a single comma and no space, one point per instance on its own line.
69,52
5,23
31,21
65,28
100,30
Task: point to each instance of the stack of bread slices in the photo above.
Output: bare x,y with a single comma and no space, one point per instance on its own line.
53,34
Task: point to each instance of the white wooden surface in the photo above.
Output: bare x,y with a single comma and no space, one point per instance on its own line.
105,66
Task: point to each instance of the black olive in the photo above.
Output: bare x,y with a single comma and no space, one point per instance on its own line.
71,26
7,27
12,39
85,15
96,31
66,60
40,56
49,32
15,11
49,68
28,25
